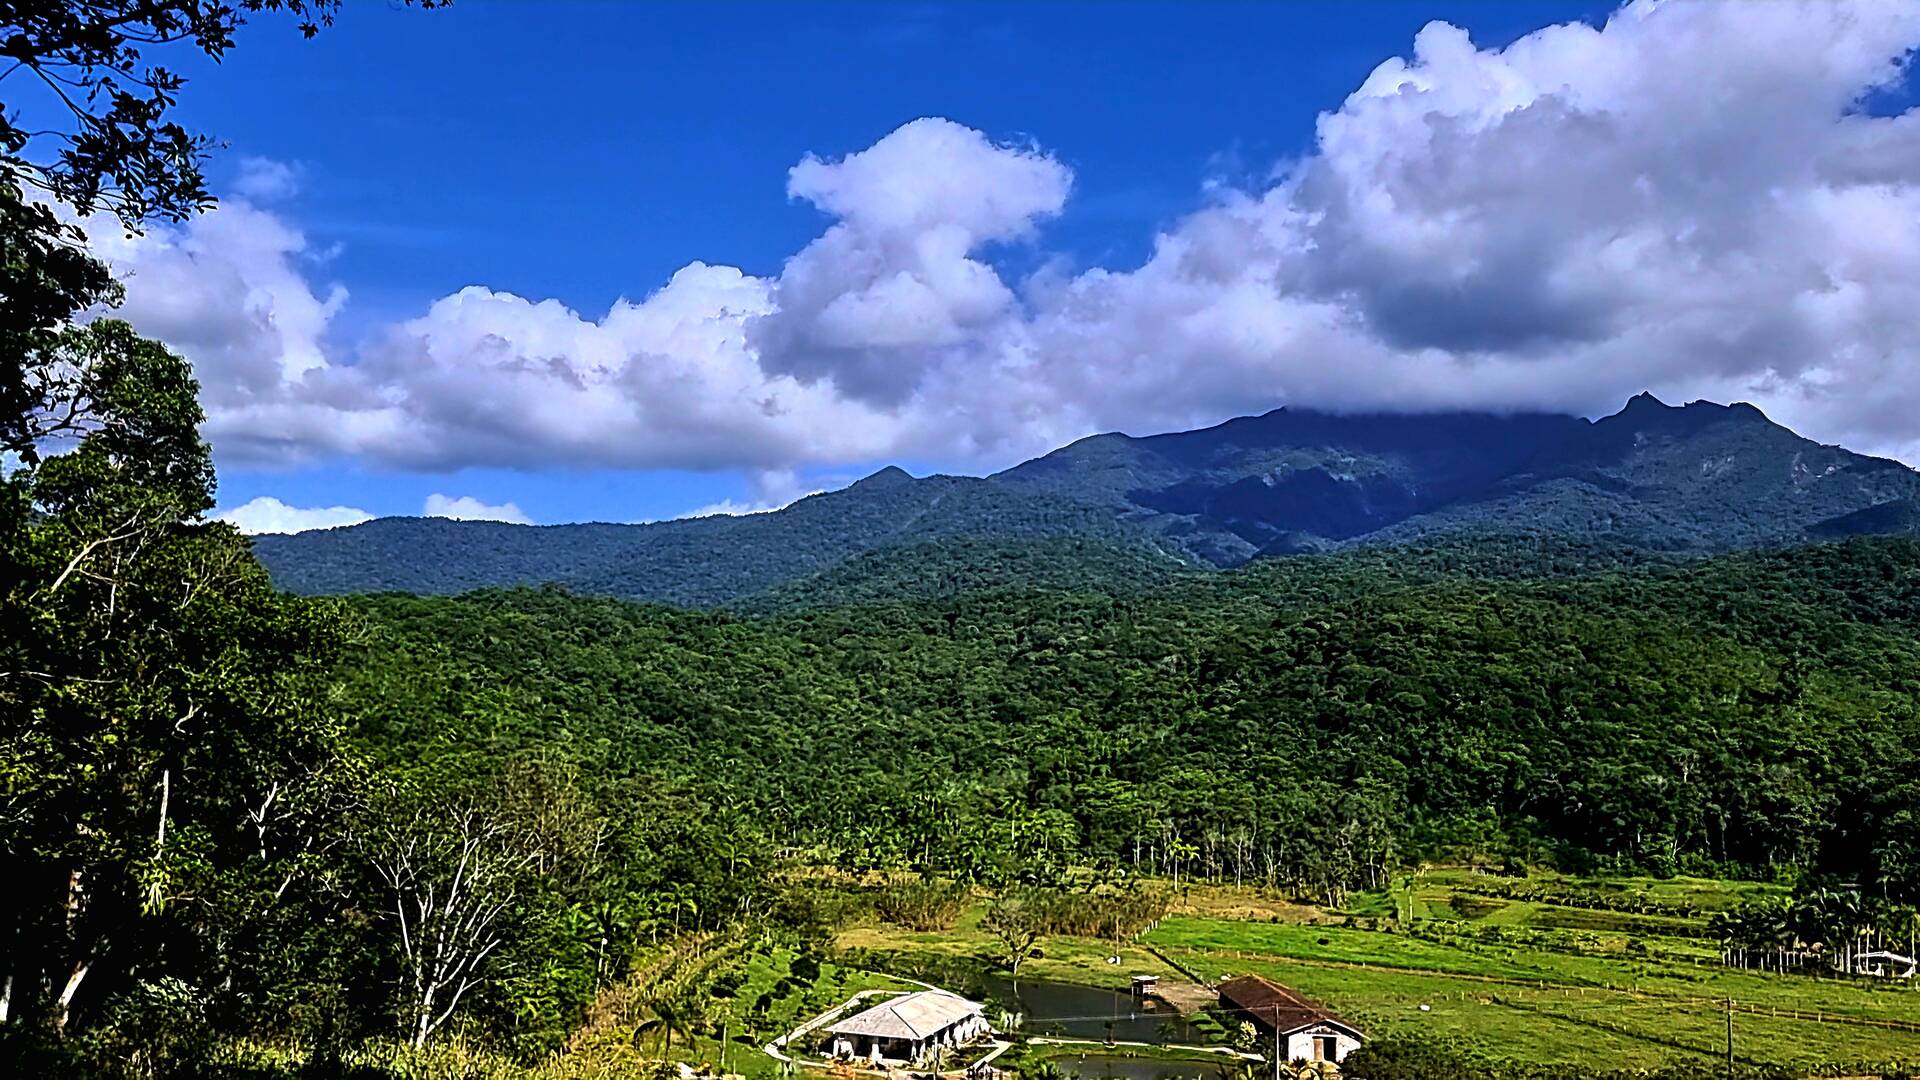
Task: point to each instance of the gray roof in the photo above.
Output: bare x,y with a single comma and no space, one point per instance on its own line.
909,1016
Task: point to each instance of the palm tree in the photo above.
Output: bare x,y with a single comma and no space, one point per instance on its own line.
1903,921
1811,918
668,1017
723,1017
1846,922
1725,926
1178,852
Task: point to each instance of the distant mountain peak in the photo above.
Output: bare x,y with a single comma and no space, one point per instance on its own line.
1646,413
1645,404
887,477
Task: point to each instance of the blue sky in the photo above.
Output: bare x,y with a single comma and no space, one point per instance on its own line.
585,152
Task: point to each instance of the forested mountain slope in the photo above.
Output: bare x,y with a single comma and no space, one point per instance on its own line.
695,562
1698,479
1749,710
1293,478
943,569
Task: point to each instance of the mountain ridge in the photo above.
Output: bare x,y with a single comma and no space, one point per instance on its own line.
1699,478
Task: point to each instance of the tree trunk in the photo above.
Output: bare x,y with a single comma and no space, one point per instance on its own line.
63,1006
424,1025
76,900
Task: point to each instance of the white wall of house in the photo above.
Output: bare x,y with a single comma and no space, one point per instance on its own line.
1306,1045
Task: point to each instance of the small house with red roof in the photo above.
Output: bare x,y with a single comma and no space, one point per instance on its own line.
1303,1030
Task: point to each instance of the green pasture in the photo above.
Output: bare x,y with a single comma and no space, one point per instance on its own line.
1567,983
1662,1018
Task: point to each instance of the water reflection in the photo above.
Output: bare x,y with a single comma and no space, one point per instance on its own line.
1113,1067
1088,1012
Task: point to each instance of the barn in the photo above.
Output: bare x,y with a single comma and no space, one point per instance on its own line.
1304,1030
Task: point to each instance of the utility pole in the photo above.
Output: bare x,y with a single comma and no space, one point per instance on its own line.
1729,1036
1276,1042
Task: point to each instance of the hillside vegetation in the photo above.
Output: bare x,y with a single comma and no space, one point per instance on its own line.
1309,721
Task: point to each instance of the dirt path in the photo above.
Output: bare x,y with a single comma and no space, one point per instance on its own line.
1223,1051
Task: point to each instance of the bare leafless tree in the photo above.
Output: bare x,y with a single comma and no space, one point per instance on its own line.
454,872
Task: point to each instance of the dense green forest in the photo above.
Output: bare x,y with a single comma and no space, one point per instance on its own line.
1307,721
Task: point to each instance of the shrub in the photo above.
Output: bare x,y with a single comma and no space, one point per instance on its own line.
805,969
923,905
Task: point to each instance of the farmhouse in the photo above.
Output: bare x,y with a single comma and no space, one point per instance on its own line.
908,1027
1304,1030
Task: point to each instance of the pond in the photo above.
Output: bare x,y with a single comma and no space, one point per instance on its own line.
1089,1012
1116,1067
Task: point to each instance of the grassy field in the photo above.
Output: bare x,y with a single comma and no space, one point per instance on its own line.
967,948
1603,973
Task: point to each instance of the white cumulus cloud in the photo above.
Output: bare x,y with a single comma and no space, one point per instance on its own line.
264,180
468,508
1689,199
267,514
893,289
773,489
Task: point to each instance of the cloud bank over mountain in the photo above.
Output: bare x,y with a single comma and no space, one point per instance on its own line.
1693,199
267,514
